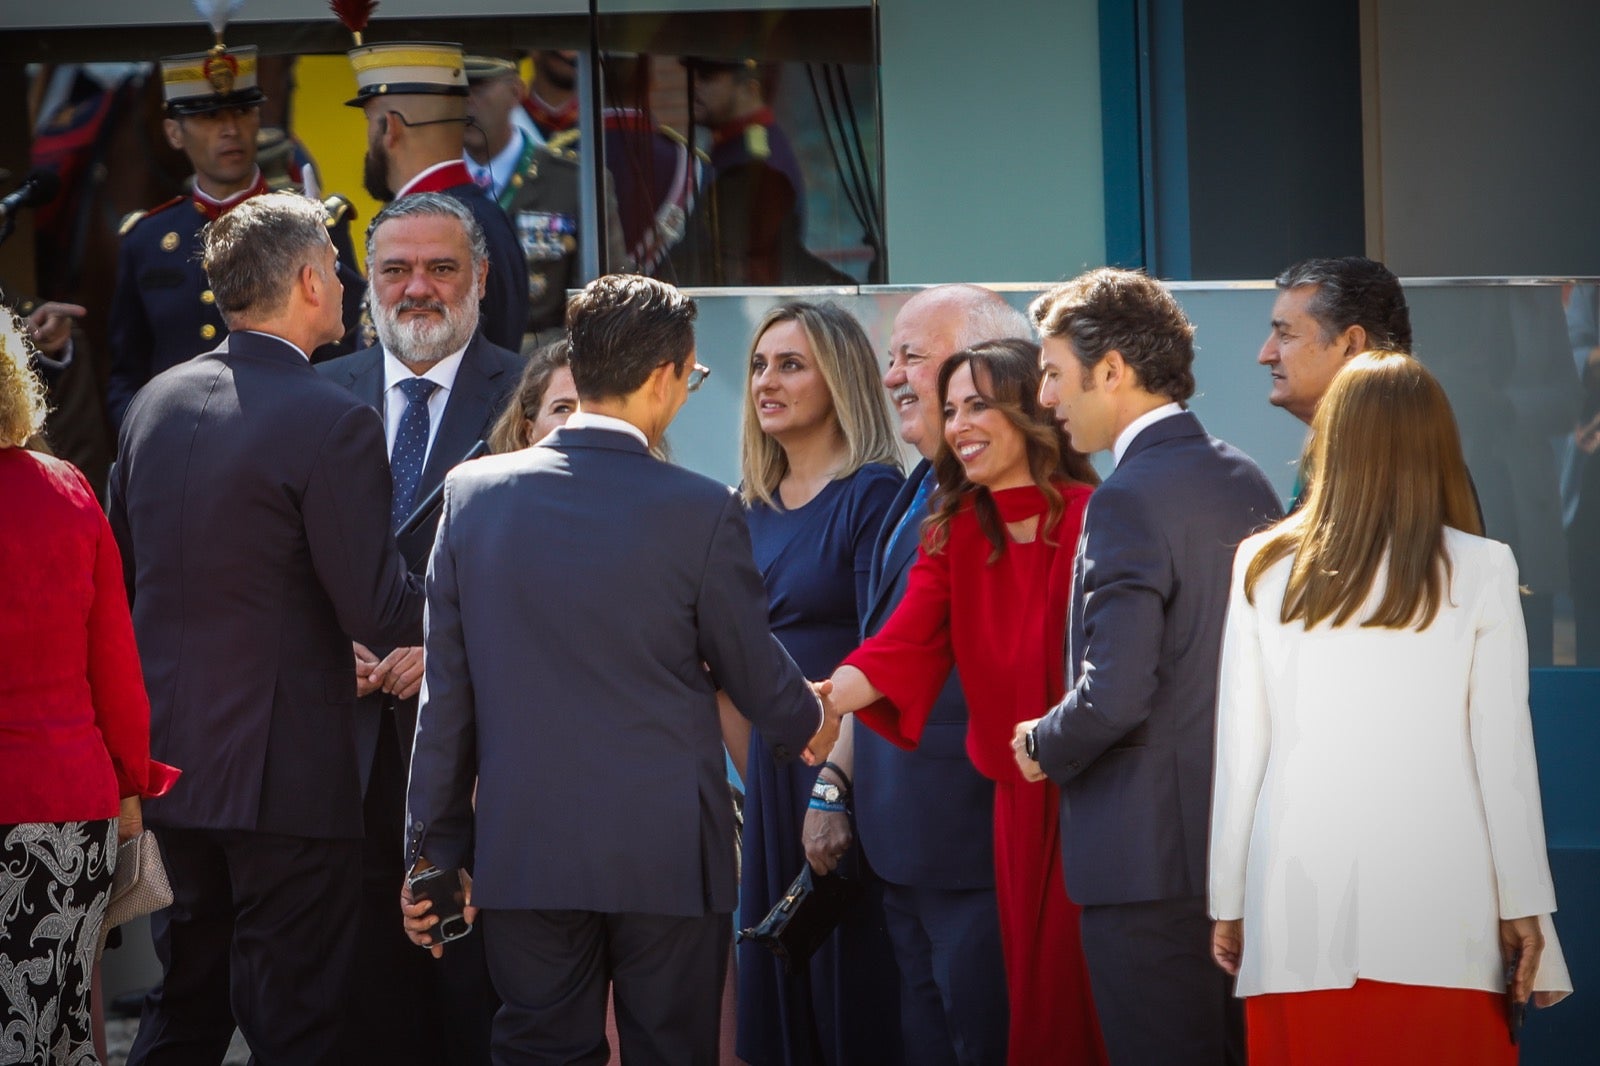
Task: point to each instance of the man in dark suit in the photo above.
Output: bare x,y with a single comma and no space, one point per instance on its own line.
1131,742
926,817
415,98
586,601
429,263
251,506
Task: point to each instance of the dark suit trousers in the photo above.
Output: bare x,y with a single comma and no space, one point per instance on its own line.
1161,998
552,970
261,932
406,1008
953,1009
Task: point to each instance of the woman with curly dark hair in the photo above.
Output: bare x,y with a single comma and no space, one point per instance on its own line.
988,595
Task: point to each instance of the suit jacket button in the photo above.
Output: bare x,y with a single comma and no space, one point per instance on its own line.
1072,765
416,826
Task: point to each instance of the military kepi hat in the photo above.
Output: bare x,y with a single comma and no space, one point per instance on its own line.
486,68
411,67
222,77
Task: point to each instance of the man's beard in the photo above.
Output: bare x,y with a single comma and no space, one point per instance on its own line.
375,174
426,340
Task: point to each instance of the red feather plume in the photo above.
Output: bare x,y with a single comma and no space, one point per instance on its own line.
354,13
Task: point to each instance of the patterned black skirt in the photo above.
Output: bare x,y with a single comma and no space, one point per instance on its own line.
55,880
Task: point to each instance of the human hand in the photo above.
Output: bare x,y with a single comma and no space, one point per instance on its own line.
1031,771
1587,436
366,662
130,820
821,745
1523,940
1227,943
417,921
50,326
400,673
826,836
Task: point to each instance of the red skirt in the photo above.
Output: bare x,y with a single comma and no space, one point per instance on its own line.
1379,1024
1052,1010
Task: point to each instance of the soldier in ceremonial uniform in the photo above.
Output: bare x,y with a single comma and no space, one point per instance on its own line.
163,312
414,96
755,205
537,186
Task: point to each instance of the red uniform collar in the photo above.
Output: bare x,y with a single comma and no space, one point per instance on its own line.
726,132
438,178
215,209
552,118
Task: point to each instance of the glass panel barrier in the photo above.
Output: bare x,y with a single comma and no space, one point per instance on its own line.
1500,348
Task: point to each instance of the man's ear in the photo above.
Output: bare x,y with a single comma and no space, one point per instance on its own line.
1112,370
483,276
174,132
1354,340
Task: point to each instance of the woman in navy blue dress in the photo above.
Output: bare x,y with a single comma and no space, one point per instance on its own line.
820,467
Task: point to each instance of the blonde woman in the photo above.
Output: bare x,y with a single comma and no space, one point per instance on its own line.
820,466
74,729
1377,846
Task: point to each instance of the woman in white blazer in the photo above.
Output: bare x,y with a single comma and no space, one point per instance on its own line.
1377,843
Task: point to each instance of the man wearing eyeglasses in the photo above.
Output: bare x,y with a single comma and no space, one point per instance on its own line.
415,99
585,603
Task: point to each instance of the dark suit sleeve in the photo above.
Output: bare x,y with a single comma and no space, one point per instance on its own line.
503,311
736,641
117,515
131,340
443,764
1127,568
346,514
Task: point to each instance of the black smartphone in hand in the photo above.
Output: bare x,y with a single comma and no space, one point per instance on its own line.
1516,1013
443,888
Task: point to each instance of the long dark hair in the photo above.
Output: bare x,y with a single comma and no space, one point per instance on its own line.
1007,374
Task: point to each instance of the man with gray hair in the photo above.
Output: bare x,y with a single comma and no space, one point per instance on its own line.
438,384
926,816
251,507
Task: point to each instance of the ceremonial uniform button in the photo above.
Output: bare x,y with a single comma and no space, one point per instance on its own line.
208,297
208,331
169,242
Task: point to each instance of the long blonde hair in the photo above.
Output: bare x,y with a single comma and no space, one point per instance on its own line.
1388,477
22,398
844,356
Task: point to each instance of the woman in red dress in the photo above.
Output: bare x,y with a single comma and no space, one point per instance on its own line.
988,594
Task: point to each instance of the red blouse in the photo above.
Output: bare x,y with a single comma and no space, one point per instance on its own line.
1003,624
74,718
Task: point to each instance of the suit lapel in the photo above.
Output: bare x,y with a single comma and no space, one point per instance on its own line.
366,378
886,569
468,413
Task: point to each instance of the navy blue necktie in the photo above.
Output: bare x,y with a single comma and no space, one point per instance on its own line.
410,447
911,521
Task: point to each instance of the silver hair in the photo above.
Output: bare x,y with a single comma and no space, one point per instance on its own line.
436,205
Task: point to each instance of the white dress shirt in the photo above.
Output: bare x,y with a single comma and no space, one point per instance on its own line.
442,373
1376,807
590,420
1137,426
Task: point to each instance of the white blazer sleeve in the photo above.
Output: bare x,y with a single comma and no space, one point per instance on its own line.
1502,745
1244,737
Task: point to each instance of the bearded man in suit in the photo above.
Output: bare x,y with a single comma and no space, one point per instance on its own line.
438,383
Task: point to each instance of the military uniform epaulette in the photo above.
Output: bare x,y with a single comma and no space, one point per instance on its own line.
564,144
673,135
339,210
756,141
133,218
